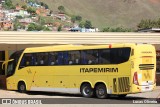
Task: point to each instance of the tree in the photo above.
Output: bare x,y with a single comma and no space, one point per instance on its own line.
107,29
31,10
88,24
36,27
31,27
8,4
19,17
46,6
79,18
59,28
51,11
61,9
158,23
31,1
73,19
16,24
24,7
41,3
17,4
41,20
46,29
117,29
148,24
81,24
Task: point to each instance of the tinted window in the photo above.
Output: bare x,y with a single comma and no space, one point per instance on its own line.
40,59
12,65
53,58
104,56
74,57
89,57
27,60
120,55
83,57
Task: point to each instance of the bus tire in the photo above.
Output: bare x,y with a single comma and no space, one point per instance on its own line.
101,91
86,90
21,87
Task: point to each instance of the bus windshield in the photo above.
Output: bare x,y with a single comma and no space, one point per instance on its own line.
12,64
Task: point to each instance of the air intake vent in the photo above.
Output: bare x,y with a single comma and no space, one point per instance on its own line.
114,85
146,66
123,84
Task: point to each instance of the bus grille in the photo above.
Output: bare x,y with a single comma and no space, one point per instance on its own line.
123,84
146,66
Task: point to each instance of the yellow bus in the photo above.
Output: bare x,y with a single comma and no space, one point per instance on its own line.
101,70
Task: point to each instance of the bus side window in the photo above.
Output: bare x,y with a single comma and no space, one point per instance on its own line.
60,58
92,56
83,57
46,58
52,58
120,55
74,57
42,58
104,56
27,60
65,57
35,60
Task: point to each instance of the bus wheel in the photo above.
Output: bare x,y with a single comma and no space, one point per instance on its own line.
86,90
21,87
101,91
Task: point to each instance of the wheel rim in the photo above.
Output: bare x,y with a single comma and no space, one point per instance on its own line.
22,87
86,91
101,92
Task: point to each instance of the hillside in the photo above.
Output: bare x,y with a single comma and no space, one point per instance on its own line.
114,13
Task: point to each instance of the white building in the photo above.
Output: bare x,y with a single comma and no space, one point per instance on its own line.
89,30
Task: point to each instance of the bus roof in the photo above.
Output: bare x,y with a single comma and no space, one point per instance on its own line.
74,47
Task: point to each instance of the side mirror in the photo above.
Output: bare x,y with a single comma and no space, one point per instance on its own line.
5,62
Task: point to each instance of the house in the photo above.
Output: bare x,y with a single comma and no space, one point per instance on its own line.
1,25
7,25
78,29
33,4
49,24
18,8
57,24
89,30
42,11
2,1
24,13
26,21
1,7
11,16
2,15
60,16
35,18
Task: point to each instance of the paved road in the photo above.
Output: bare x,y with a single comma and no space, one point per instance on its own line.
141,99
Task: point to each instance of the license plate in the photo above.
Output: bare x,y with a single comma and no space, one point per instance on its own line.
146,87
